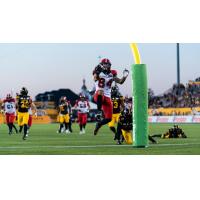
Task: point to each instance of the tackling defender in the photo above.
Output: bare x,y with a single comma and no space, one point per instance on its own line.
83,107
104,77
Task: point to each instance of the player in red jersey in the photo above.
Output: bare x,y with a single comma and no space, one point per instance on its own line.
9,107
83,107
32,111
104,77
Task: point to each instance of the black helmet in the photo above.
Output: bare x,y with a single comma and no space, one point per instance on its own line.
23,91
115,91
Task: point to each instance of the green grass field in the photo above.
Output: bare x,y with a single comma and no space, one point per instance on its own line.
43,140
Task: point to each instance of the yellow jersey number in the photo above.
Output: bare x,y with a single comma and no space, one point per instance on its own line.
24,103
115,104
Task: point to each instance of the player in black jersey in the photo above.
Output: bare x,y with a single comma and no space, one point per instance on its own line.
24,102
64,115
124,128
118,105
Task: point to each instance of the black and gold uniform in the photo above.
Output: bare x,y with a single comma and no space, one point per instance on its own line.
23,104
117,103
117,106
64,117
125,126
174,132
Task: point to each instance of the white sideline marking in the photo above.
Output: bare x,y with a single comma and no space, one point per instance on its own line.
93,146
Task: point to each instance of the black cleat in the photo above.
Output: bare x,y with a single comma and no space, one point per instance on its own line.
118,142
25,136
99,116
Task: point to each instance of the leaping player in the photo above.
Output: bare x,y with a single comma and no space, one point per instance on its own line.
104,77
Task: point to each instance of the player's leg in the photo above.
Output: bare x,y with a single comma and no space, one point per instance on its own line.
8,123
127,136
107,109
80,123
99,99
70,125
152,139
30,120
11,120
118,133
61,121
25,123
66,123
112,125
16,131
84,121
20,121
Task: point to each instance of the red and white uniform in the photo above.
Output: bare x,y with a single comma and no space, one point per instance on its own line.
105,83
83,108
30,119
10,110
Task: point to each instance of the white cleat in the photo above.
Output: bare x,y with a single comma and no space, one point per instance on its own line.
67,131
63,130
83,131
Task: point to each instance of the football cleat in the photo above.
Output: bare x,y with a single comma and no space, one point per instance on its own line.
118,142
99,116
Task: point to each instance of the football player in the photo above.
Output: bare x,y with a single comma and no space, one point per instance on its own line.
118,105
104,77
32,111
83,107
9,107
64,111
24,102
70,116
124,128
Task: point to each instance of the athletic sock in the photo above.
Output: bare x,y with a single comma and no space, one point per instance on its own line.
20,129
66,126
112,128
81,126
15,128
99,102
60,129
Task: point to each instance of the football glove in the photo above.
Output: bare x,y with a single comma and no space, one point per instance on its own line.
125,73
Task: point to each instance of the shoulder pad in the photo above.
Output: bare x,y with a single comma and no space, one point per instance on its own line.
114,72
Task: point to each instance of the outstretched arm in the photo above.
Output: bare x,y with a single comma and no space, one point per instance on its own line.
123,79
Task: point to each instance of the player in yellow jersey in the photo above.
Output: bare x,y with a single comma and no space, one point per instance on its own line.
24,102
118,104
64,117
